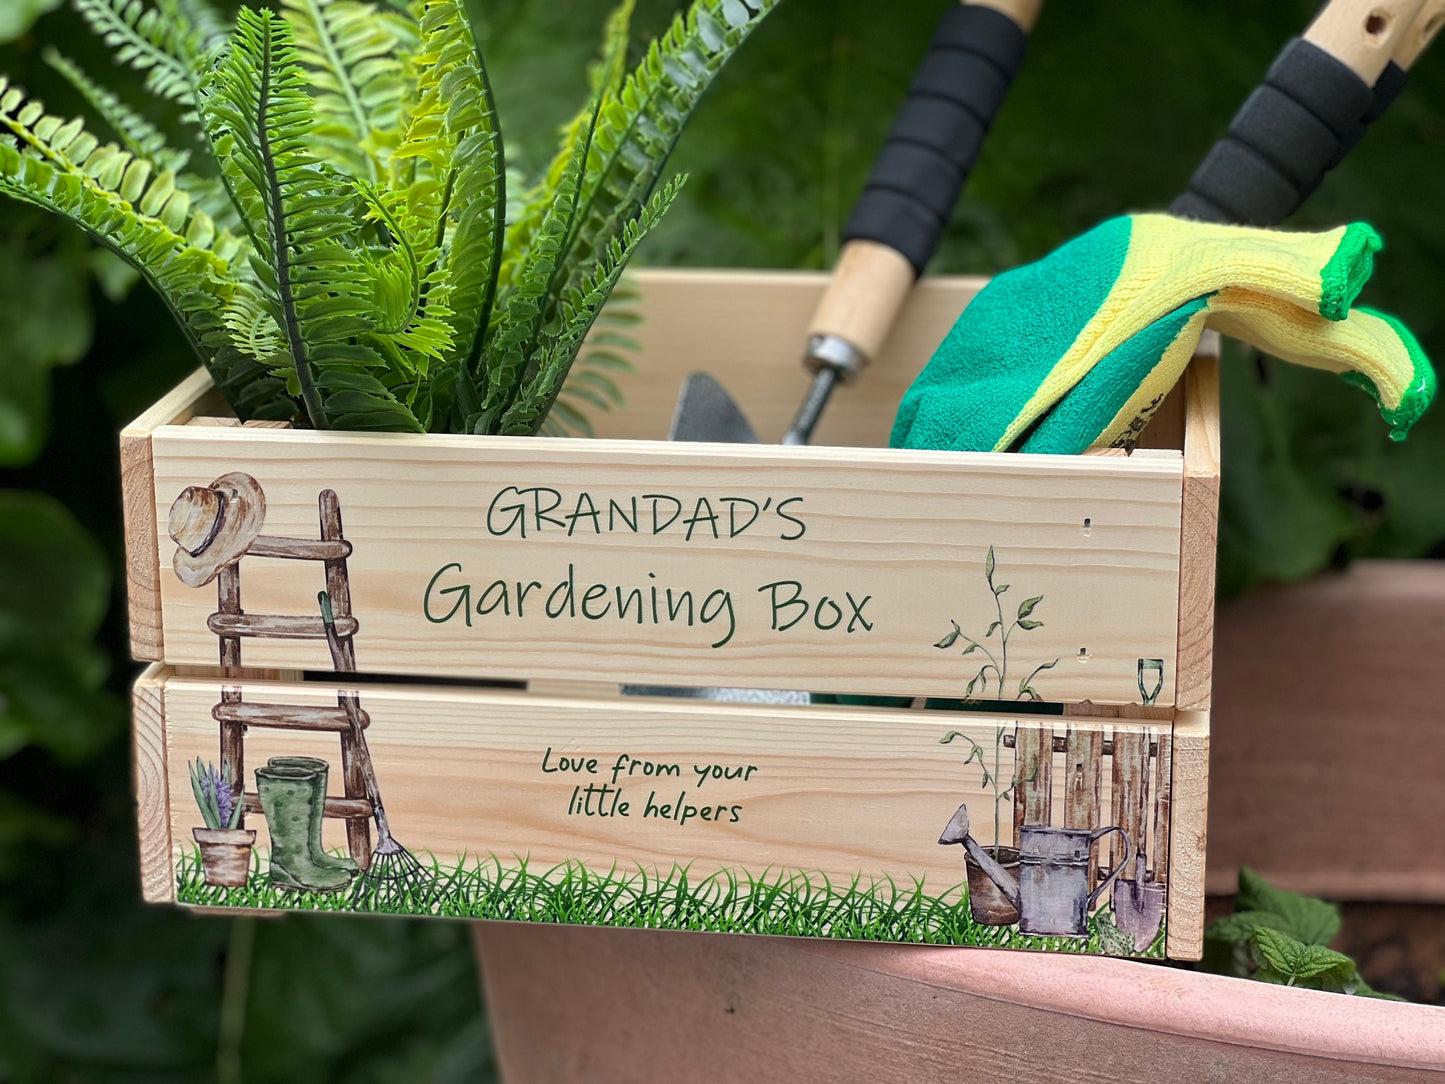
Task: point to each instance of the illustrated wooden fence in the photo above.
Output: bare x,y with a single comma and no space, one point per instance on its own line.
1139,787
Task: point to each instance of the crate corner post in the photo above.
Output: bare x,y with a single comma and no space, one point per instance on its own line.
152,785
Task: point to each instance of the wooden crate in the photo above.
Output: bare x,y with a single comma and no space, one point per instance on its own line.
566,568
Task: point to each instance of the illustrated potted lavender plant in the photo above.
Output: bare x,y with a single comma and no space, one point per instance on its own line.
225,849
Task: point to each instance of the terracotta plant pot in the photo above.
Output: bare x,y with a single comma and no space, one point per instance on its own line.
225,855
571,1003
986,902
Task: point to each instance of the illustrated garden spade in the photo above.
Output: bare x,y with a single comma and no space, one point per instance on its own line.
214,527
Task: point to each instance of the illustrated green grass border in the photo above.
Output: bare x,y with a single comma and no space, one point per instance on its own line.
781,902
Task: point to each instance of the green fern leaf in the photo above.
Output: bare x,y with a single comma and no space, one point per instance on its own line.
579,311
606,77
354,55
149,40
449,179
641,122
597,366
124,203
142,138
203,24
513,347
257,116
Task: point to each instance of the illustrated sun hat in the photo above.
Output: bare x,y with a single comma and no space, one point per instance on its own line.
214,525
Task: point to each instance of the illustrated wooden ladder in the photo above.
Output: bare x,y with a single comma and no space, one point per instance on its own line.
232,624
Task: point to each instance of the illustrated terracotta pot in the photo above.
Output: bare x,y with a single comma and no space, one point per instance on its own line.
986,901
579,1004
225,855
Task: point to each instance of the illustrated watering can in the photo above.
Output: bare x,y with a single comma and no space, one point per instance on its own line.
1051,892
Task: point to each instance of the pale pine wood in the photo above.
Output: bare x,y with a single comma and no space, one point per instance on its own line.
910,528
870,283
1024,12
152,786
195,396
1422,33
142,552
1363,34
181,405
749,329
837,792
586,689
1188,831
1199,536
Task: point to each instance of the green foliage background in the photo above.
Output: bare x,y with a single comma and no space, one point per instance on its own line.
1115,104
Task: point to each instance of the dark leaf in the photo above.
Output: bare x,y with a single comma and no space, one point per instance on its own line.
1309,920
950,638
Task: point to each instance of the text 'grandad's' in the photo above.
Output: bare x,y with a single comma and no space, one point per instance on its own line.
529,511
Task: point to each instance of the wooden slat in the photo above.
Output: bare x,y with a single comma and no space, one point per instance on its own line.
907,530
344,808
1189,807
1199,534
277,626
299,549
1034,771
148,737
193,395
1084,750
694,321
1163,798
1130,764
289,716
197,394
831,792
142,551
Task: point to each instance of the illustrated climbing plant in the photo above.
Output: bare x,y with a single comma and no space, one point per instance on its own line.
342,251
991,777
998,660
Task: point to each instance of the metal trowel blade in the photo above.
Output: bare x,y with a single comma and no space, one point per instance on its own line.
706,412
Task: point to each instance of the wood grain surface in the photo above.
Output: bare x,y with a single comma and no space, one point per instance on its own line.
152,786
1188,834
1199,532
840,793
1094,538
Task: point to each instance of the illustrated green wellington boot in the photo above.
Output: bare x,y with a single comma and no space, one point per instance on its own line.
288,796
318,768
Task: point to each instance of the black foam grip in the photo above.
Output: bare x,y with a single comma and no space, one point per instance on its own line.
1287,133
936,137
1391,83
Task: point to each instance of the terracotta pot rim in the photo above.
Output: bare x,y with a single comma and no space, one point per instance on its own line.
235,837
1169,1000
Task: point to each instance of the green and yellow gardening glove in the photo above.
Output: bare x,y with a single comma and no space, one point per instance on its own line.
1077,350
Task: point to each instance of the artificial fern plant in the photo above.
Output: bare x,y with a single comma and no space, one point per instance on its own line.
341,253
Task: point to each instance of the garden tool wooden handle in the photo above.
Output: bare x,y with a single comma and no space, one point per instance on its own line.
915,181
1392,80
1313,105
